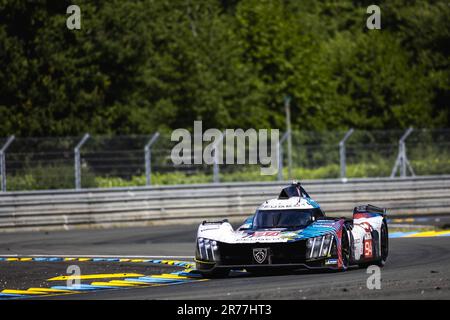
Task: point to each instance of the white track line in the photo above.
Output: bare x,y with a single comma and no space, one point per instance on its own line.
90,256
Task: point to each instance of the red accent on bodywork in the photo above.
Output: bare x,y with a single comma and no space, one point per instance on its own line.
367,242
360,215
339,248
339,243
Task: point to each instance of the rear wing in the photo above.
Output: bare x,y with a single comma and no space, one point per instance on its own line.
214,222
369,209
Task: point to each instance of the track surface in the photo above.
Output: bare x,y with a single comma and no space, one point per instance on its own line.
417,268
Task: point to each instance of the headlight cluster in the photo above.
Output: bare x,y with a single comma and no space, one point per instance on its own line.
207,249
319,246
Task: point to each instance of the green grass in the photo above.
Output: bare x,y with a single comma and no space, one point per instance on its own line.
62,177
360,170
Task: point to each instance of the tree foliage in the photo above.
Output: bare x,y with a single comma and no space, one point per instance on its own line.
142,66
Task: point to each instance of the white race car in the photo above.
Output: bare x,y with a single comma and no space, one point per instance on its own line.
292,232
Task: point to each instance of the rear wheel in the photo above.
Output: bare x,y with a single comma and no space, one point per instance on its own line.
384,245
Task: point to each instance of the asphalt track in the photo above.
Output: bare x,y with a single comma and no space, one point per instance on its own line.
417,268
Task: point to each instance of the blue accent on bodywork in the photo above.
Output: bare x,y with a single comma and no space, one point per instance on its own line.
249,221
312,203
318,228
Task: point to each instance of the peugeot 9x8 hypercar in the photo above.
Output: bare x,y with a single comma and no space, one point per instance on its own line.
292,232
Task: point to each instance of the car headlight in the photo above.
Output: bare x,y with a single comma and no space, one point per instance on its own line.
208,250
318,247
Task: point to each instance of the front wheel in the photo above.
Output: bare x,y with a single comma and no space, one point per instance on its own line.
345,249
217,273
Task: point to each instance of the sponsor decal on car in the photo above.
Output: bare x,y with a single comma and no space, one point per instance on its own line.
290,235
331,261
368,246
260,239
261,234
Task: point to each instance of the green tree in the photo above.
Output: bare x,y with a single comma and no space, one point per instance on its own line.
287,59
378,87
142,66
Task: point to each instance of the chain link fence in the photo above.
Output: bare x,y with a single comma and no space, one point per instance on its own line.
120,161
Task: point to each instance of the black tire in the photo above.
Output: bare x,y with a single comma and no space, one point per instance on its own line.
345,249
384,245
217,273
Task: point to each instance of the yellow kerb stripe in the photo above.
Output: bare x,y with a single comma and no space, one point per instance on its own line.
12,291
49,290
428,234
97,276
112,284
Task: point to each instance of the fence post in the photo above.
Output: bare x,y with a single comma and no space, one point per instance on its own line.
287,108
77,161
402,162
216,178
3,162
342,154
280,155
148,159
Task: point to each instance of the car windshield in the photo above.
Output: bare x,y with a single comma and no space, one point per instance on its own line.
292,218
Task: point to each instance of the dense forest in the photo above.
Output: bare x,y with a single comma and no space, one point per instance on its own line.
140,66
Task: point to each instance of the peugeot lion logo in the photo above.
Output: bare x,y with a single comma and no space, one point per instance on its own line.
260,254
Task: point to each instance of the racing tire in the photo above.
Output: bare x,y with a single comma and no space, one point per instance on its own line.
384,245
345,249
217,273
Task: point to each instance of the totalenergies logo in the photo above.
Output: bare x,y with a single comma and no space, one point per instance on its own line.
259,234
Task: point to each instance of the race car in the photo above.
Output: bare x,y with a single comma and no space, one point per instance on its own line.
292,232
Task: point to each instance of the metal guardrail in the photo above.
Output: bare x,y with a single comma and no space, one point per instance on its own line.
63,209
